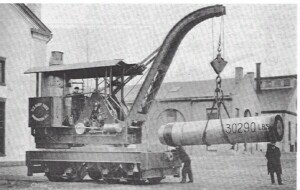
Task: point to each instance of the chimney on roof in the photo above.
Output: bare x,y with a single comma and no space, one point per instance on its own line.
36,8
238,74
258,79
250,75
56,58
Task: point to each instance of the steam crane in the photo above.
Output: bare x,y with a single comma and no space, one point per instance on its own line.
98,140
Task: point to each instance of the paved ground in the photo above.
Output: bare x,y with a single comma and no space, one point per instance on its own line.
212,171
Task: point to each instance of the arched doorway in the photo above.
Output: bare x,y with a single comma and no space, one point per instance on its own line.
169,116
247,113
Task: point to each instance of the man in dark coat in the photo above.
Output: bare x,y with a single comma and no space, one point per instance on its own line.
186,169
274,166
77,103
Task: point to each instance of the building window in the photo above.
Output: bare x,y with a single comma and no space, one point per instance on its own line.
211,113
171,114
2,128
290,131
237,112
2,70
277,83
247,113
268,84
287,82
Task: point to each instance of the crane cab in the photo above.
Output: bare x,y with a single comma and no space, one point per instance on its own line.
94,115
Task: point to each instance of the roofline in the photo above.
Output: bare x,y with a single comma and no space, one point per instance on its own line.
280,76
199,99
58,68
195,99
34,18
279,111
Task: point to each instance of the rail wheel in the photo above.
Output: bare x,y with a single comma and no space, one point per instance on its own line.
77,174
54,172
53,177
94,173
136,182
112,181
155,180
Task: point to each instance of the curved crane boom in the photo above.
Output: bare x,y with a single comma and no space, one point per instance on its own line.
160,66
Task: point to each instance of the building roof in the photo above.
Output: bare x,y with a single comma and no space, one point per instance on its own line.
88,69
34,18
275,99
270,100
184,90
278,77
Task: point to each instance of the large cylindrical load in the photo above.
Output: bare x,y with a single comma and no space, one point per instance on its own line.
229,131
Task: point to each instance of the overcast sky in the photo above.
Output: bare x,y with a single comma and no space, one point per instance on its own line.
252,33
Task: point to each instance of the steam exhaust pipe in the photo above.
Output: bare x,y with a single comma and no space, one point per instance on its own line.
234,130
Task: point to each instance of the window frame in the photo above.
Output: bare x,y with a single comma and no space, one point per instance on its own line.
164,115
268,84
2,81
215,111
289,131
287,82
171,113
237,112
3,100
247,113
278,83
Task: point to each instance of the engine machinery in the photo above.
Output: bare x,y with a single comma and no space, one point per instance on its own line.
78,133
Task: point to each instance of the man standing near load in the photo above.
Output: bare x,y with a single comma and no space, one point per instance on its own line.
274,165
186,169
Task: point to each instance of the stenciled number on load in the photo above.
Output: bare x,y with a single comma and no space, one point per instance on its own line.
245,127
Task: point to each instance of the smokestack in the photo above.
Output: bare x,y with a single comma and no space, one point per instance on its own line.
36,9
250,75
258,79
56,58
238,74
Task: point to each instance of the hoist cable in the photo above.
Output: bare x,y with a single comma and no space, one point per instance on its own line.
220,38
206,125
212,37
223,27
226,110
217,101
222,125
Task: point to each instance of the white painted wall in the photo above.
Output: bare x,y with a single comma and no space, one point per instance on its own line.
21,52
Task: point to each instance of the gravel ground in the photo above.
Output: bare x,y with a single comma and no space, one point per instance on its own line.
225,170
